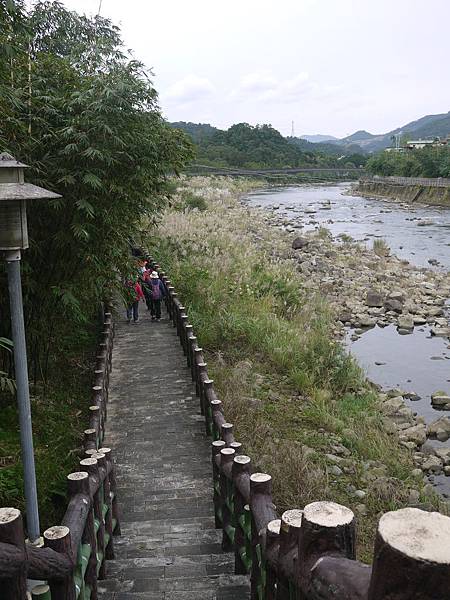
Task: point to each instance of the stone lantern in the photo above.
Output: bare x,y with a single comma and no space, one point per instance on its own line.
14,195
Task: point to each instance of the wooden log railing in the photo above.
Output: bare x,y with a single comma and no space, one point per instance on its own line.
308,553
71,557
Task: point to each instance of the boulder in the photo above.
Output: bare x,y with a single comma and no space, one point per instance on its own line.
416,434
394,305
440,428
440,398
444,455
433,464
405,322
299,243
374,299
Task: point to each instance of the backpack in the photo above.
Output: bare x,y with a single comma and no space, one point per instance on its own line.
156,290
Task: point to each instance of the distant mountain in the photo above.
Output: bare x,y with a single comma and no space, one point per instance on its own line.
429,126
358,136
329,147
317,138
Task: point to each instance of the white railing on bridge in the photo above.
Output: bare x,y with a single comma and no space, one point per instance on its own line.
430,182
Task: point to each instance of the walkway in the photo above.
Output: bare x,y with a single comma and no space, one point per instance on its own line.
169,549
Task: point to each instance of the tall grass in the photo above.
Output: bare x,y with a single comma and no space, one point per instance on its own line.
290,388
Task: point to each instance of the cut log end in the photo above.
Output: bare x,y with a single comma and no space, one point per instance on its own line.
89,431
274,526
8,515
57,532
418,534
242,459
104,450
87,462
78,476
40,590
260,478
328,514
218,444
97,388
292,518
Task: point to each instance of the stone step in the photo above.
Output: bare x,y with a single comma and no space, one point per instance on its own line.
180,583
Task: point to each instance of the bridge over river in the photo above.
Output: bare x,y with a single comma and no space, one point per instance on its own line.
336,172
146,521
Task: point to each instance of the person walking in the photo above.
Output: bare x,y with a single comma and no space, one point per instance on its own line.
135,294
157,292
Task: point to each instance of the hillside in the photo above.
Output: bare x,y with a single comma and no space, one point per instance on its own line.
259,147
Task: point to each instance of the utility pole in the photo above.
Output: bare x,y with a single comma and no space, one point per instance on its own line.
292,130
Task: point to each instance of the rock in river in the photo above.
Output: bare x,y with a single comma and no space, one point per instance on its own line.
374,299
440,429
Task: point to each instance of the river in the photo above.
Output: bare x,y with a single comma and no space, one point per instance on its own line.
417,362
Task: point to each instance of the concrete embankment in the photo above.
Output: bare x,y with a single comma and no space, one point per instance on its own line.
424,194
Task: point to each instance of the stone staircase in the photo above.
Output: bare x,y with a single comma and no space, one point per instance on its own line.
169,548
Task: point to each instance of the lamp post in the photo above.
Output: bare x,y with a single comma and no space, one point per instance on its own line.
14,194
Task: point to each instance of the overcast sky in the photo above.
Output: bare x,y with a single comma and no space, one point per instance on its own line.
331,66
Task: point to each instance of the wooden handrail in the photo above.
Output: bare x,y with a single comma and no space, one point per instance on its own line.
74,553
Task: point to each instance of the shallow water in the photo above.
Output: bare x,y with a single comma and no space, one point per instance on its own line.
365,219
416,362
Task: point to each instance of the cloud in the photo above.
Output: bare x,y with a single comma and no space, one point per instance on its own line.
263,87
189,89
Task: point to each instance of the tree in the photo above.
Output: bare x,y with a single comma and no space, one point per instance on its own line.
87,121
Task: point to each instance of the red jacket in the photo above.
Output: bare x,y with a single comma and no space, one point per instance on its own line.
139,292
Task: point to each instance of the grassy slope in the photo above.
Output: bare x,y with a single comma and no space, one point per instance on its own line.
287,385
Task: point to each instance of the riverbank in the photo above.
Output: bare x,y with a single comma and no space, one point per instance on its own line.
423,194
300,404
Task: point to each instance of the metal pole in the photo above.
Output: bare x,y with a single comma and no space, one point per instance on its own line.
23,394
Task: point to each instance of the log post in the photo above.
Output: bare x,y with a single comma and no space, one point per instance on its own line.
98,399
90,439
192,347
95,422
291,521
91,466
107,504
202,377
78,483
263,511
183,333
169,300
187,335
41,592
198,360
112,489
412,556
13,557
272,550
237,447
241,482
226,497
226,433
99,377
216,447
217,417
328,529
58,539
